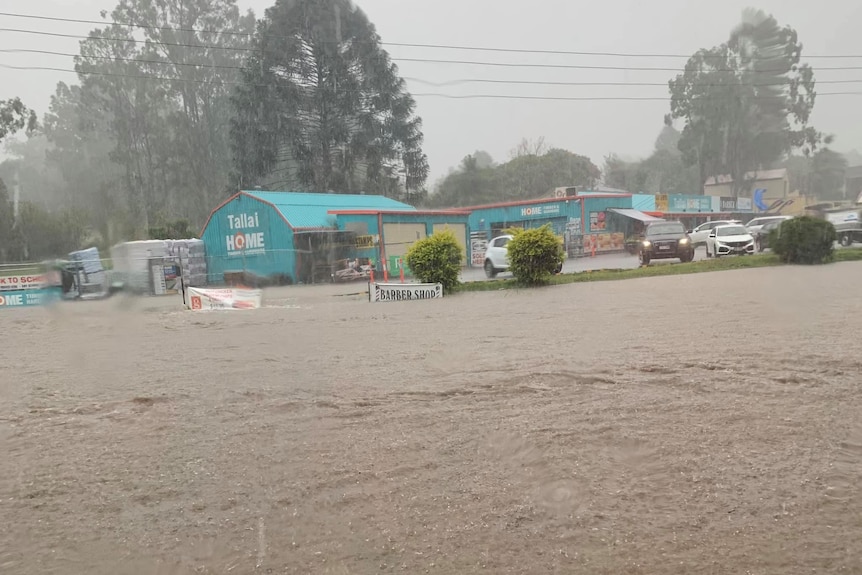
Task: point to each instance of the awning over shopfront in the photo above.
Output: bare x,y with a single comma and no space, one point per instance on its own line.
634,214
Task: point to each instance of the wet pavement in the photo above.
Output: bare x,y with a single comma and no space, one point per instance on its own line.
618,261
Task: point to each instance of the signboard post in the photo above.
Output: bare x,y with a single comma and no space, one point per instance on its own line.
403,292
478,245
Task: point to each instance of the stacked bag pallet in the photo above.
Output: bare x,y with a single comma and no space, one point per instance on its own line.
93,277
192,256
132,263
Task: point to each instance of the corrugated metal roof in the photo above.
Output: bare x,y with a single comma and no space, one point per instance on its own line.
305,210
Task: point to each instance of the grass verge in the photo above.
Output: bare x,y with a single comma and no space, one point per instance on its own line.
662,269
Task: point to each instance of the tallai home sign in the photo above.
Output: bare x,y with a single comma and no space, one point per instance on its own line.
244,239
404,292
540,210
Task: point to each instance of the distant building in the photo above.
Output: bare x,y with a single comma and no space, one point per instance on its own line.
853,183
765,188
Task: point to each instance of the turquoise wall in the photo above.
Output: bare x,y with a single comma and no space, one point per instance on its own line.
599,206
643,202
246,234
529,214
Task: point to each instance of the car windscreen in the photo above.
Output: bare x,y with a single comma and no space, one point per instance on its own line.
732,231
662,229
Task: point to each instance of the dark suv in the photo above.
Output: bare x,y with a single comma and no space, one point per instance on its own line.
665,240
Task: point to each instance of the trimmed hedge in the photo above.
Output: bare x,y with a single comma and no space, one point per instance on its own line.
803,240
437,259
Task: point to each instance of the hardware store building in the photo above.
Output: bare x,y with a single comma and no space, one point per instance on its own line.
282,237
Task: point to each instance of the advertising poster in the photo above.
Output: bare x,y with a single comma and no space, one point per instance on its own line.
598,223
478,246
228,298
29,297
26,281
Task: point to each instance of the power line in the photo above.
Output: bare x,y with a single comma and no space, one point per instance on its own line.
416,60
118,59
418,95
591,99
642,84
418,80
134,76
396,44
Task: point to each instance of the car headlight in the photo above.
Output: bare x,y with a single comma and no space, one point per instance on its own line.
683,241
647,243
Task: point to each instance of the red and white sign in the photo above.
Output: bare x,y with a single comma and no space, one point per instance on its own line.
24,282
228,298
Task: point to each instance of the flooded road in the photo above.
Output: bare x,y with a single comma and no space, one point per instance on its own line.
705,423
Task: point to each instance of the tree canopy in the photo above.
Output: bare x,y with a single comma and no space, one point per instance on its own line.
746,103
322,106
531,173
663,172
15,116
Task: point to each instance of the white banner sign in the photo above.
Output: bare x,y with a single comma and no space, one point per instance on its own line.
404,292
27,281
228,298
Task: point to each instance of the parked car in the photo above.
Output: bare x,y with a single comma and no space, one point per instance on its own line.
755,225
729,239
665,240
761,236
497,256
699,234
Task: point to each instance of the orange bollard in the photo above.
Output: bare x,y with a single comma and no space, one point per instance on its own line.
385,273
401,268
371,271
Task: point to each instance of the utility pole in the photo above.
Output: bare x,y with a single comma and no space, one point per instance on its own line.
16,200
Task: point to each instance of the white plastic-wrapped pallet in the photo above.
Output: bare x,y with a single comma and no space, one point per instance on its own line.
131,263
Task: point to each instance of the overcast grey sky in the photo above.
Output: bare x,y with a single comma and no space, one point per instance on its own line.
454,128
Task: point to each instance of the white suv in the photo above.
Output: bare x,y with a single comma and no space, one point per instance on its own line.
497,256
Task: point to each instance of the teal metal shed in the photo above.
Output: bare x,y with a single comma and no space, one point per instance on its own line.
275,235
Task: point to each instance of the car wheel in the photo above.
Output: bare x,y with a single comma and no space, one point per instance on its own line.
490,272
708,255
846,240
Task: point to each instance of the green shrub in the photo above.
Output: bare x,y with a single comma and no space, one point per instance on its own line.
803,240
535,255
437,259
